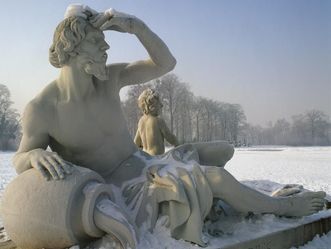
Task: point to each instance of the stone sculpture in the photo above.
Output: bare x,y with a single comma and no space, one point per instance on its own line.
152,129
79,117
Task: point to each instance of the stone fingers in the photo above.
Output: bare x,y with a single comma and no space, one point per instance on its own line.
67,167
100,19
119,23
42,170
50,168
113,24
59,170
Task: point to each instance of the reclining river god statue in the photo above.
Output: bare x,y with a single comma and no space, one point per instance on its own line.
94,182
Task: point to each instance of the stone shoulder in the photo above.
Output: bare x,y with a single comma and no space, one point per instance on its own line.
43,105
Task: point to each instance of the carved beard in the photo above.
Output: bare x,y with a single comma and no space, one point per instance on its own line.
97,69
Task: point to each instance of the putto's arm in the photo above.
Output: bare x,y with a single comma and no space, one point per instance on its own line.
32,151
171,138
137,139
161,60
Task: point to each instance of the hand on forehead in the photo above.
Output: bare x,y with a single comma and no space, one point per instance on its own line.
95,18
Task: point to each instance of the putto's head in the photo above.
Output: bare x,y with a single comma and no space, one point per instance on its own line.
149,102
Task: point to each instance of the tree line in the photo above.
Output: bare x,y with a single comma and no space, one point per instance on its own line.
196,119
10,129
311,128
190,118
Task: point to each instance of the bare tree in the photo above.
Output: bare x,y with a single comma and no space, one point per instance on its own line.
236,119
308,129
281,132
183,115
317,123
9,121
130,107
168,87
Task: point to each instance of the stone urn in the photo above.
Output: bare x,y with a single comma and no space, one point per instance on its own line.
58,214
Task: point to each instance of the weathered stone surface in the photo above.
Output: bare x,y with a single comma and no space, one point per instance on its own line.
38,214
78,116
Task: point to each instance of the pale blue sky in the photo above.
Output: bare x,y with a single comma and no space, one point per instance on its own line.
272,57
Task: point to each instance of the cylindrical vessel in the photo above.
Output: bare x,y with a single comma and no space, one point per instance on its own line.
47,214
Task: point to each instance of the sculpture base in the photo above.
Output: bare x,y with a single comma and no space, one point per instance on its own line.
294,236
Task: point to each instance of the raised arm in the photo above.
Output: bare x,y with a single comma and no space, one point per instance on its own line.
32,151
160,59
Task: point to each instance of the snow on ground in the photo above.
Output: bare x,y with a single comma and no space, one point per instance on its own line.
309,166
7,173
265,168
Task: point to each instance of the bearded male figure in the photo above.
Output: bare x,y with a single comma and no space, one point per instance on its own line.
79,117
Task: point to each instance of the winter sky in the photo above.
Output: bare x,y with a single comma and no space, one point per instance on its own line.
272,57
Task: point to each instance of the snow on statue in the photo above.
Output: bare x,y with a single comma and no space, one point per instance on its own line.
99,184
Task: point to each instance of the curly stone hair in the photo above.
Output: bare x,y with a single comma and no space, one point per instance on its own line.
68,34
148,100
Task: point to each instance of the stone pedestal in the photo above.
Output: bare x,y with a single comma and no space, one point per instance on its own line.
296,236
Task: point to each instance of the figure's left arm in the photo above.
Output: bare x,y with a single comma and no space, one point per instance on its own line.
167,134
137,140
160,59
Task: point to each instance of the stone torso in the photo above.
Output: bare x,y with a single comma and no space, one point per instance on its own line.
91,133
151,135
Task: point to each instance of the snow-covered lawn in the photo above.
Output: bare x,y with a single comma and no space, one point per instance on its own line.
7,172
266,168
309,166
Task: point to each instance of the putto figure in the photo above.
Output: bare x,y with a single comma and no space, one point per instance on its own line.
152,129
78,116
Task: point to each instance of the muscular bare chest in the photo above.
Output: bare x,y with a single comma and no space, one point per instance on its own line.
85,126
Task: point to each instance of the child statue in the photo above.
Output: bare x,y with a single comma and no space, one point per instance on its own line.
152,129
